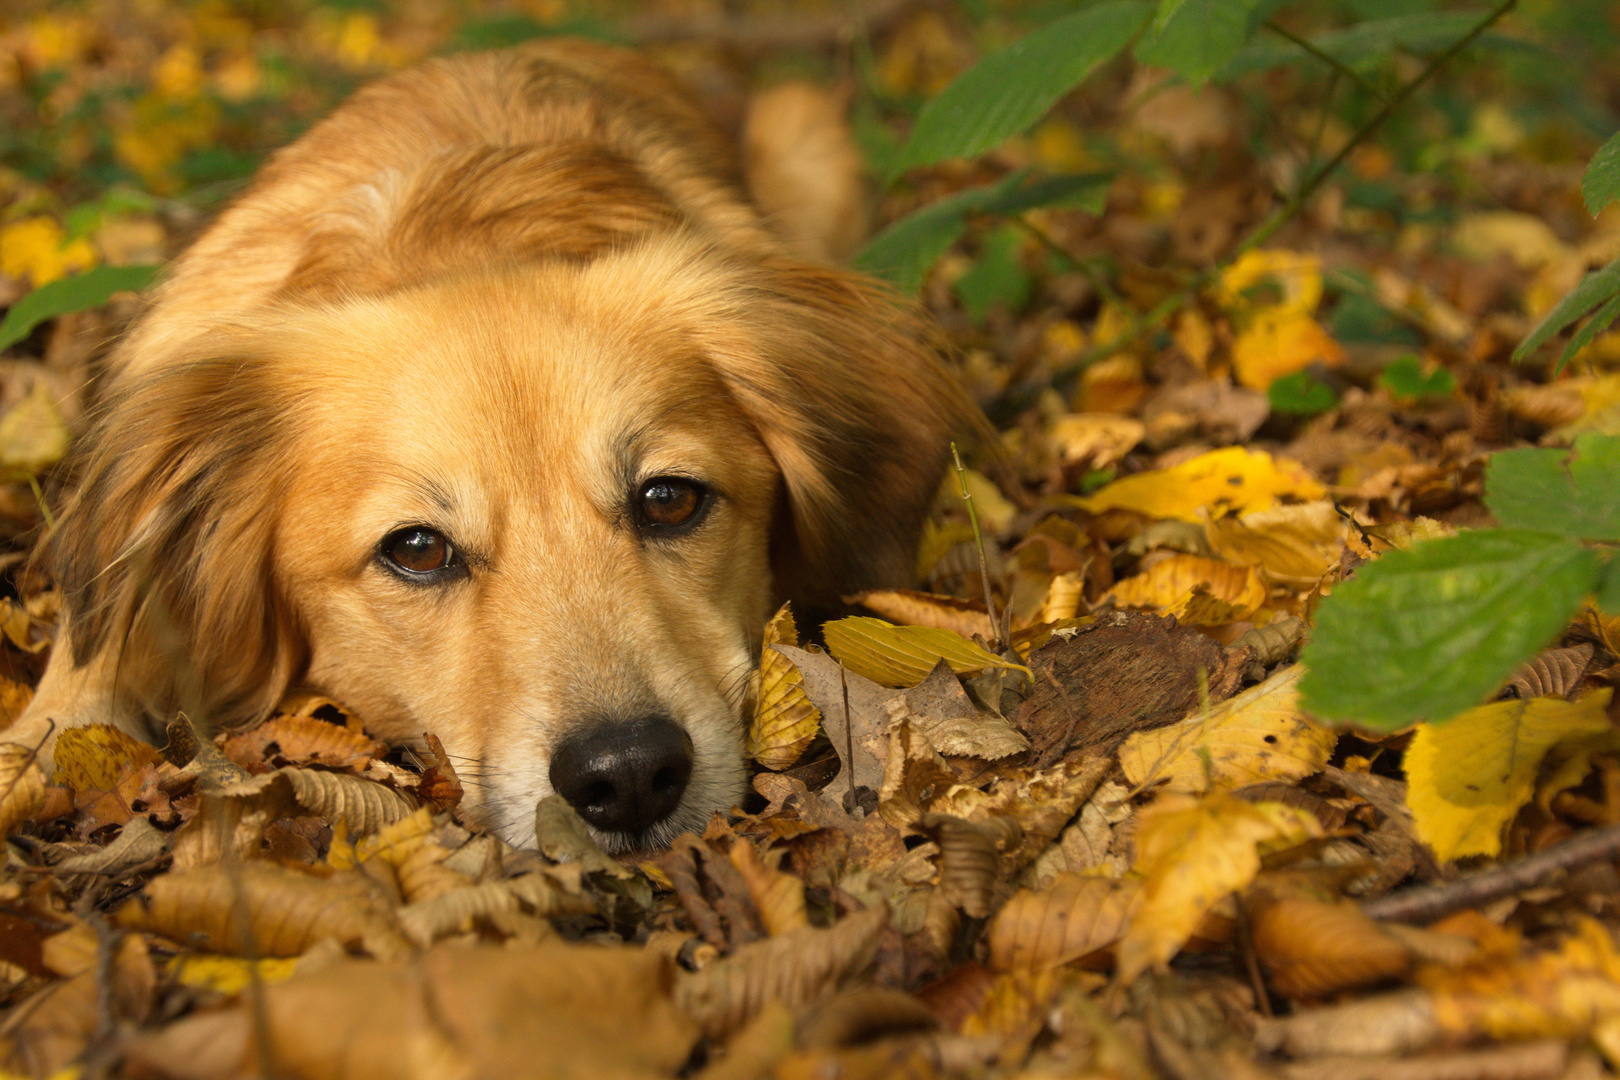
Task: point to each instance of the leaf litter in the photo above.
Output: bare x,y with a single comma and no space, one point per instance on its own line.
1113,843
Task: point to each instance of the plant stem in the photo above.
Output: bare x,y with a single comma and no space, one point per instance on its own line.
978,539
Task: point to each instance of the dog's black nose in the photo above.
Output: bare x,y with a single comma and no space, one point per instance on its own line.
624,776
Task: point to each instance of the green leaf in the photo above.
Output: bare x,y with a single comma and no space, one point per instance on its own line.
1301,394
1601,184
1404,378
1559,492
1013,87
1373,41
78,293
999,277
1608,590
903,252
1598,287
1428,632
1601,320
1196,38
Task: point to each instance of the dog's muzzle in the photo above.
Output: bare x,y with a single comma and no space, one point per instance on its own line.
624,776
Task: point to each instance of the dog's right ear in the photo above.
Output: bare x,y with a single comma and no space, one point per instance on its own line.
165,552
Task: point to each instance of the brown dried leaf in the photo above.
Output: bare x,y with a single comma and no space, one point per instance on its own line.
1313,948
914,773
795,969
457,911
361,804
94,756
1043,801
14,698
853,713
53,1028
284,911
1554,673
955,724
458,1012
22,786
970,866
778,896
302,740
1074,917
440,785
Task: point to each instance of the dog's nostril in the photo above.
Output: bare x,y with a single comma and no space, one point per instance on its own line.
624,776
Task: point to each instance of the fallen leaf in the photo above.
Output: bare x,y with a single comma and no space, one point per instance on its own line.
1170,583
1221,481
92,757
785,721
1076,916
904,655
22,786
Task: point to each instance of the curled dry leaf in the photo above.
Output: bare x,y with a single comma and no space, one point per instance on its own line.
1074,917
794,968
458,911
1314,948
22,785
1554,673
957,725
970,853
362,805
1260,735
93,757
1043,801
778,896
440,785
1274,642
264,909
910,608
904,655
45,1033
459,1011
1290,545
914,773
785,721
303,740
1179,583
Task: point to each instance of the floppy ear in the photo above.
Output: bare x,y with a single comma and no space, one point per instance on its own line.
164,553
845,387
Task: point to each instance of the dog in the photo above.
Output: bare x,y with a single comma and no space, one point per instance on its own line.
499,407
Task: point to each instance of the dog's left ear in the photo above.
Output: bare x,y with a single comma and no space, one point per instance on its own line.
845,386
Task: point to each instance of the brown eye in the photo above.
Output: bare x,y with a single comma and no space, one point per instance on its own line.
670,502
417,549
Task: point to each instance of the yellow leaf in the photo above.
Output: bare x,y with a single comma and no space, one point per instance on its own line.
994,509
33,435
1096,439
1467,777
911,608
782,630
229,974
22,785
37,249
92,757
1294,281
1259,736
904,655
1224,480
1193,854
1280,342
1290,545
1170,583
784,720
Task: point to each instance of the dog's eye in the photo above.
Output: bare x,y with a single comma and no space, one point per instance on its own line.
668,502
417,549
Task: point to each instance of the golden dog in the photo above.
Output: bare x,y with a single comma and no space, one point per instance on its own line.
496,409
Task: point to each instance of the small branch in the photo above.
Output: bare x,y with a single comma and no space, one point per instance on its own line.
1430,902
978,539
1338,66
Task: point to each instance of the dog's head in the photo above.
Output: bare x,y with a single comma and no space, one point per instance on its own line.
542,513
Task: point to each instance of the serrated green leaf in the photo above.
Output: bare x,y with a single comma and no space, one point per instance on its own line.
1013,87
1571,493
1196,38
79,293
1598,287
1600,321
1601,184
1300,394
1430,631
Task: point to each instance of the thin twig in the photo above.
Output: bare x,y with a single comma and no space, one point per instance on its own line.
978,539
1430,902
1268,228
1338,66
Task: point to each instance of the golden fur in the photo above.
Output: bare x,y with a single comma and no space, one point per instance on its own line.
492,295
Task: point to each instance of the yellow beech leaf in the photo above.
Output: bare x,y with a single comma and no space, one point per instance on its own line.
1280,342
904,655
92,757
782,630
1234,478
1167,585
1467,777
911,608
1290,545
785,721
1073,917
38,249
229,974
1273,281
1097,440
1193,854
1257,737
